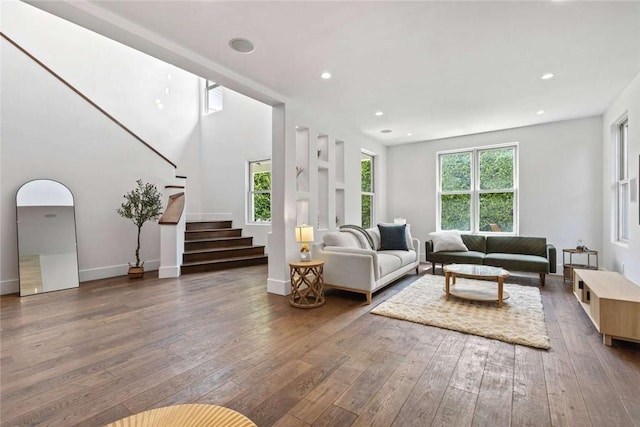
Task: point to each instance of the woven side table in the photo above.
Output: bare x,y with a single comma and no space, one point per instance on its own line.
307,283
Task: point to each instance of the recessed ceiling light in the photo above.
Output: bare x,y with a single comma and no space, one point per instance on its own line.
167,90
326,75
241,45
540,112
409,134
379,113
547,76
385,131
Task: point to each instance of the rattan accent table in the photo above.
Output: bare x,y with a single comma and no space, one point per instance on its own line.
188,415
307,283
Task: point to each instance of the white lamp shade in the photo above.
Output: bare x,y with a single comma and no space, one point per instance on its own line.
304,234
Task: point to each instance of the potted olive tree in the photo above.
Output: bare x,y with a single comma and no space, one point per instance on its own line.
141,204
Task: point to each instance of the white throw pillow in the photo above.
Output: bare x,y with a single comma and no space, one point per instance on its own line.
448,240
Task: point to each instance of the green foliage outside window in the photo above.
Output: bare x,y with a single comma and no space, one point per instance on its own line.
366,187
262,201
496,172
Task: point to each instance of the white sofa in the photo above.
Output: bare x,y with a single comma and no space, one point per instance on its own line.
350,264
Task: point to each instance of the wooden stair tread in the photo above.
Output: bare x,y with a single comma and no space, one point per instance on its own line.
213,229
230,248
218,239
223,260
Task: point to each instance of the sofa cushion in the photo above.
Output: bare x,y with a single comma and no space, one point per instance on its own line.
340,239
366,242
406,257
469,257
518,262
387,263
517,245
447,240
475,242
393,237
374,233
407,229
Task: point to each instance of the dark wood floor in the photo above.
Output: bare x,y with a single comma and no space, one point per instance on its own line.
114,347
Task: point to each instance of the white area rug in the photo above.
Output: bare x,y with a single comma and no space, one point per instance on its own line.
519,321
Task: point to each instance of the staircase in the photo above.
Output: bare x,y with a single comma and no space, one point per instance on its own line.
216,245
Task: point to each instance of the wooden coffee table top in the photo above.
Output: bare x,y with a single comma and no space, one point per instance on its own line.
188,415
476,271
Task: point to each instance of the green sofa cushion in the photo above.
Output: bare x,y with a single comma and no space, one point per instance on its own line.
518,262
469,257
475,242
517,245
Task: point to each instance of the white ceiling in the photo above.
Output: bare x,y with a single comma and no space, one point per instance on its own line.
436,69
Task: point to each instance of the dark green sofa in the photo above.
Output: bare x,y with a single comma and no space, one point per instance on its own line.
514,253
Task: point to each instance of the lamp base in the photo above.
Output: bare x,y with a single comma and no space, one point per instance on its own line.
305,256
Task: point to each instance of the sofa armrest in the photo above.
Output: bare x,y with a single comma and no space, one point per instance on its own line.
551,256
416,247
429,250
349,267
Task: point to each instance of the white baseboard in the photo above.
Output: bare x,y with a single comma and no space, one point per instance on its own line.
114,271
169,272
9,287
279,287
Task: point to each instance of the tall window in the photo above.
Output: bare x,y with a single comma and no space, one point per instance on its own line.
367,172
622,181
259,195
212,97
478,189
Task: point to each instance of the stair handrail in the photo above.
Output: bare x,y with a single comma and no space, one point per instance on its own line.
173,212
83,96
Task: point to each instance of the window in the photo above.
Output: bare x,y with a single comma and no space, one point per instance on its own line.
259,205
367,173
477,189
212,97
622,182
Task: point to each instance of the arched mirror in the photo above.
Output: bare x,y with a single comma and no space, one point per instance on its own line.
47,249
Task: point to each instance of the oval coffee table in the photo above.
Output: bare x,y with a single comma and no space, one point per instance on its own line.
474,271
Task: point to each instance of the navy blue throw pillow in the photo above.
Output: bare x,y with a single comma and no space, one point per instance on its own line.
393,237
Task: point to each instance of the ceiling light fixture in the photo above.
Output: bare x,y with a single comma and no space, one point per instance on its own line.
386,131
326,75
379,113
540,112
547,76
241,45
409,134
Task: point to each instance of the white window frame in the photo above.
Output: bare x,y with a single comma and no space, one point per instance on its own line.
372,193
210,87
622,184
475,190
251,192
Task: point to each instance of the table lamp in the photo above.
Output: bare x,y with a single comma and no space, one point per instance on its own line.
304,235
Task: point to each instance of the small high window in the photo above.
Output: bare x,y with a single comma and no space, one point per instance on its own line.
212,97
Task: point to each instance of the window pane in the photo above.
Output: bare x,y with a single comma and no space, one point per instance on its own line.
623,151
214,99
262,181
624,211
455,172
455,212
496,169
366,176
496,212
262,207
367,210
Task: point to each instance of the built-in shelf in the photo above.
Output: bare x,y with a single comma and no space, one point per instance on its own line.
339,186
323,164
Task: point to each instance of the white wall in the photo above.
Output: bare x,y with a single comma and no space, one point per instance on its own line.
121,80
624,258
50,132
228,139
560,172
